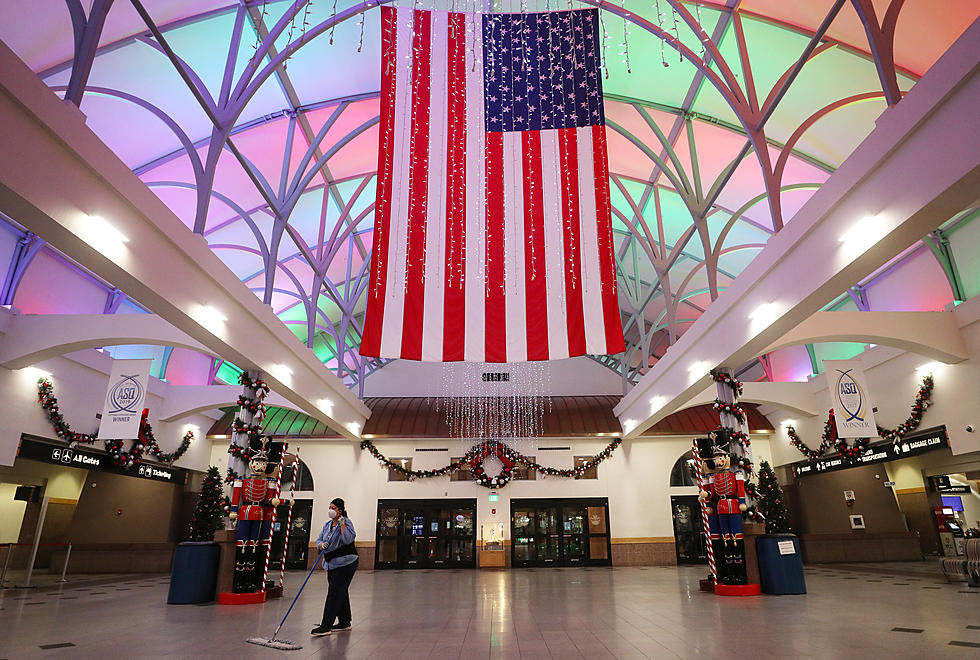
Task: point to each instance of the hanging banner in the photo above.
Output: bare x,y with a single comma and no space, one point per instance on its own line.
124,399
850,399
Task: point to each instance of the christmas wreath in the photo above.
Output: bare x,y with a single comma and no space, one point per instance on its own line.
145,441
503,453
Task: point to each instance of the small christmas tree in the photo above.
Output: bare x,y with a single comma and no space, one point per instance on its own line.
770,501
208,514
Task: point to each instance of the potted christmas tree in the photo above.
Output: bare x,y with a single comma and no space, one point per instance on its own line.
770,502
780,561
195,569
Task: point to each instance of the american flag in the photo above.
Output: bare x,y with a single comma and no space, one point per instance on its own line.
492,236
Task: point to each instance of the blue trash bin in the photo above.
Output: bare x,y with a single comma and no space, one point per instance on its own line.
194,575
780,564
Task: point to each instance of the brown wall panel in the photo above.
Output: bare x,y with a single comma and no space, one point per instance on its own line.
822,509
150,510
916,508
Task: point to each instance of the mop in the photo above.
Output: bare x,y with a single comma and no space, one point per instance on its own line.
283,644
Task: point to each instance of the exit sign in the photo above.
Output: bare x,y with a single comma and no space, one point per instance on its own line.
493,497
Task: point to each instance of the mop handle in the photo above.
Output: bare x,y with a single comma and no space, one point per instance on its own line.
308,576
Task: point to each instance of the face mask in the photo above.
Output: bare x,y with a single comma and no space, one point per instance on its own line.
332,513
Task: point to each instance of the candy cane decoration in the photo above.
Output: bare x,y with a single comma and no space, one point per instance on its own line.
272,527
289,516
704,516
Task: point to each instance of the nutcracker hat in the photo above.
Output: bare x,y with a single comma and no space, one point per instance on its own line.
705,448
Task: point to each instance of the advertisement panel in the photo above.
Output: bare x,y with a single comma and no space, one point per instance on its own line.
850,399
124,399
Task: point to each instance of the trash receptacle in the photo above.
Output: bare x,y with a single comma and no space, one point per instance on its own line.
194,575
780,564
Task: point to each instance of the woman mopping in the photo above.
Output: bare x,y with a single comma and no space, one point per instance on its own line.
340,561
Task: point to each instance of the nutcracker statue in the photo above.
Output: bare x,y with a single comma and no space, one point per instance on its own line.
723,493
253,504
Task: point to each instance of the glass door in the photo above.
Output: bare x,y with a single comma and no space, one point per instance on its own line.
426,534
688,530
523,523
389,519
463,536
574,534
438,519
299,535
563,532
414,551
547,536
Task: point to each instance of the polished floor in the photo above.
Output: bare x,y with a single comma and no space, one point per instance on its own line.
851,611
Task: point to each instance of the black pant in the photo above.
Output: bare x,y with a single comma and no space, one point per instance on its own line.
337,606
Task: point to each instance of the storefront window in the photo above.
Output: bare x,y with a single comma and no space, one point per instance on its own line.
592,472
395,475
524,473
464,473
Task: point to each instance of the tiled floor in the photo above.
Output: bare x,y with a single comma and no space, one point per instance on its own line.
851,611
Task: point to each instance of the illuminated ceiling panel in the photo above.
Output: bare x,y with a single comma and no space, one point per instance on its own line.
693,200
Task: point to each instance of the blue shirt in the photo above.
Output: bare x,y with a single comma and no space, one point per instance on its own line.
334,537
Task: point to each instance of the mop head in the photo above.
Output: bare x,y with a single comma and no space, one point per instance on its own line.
281,644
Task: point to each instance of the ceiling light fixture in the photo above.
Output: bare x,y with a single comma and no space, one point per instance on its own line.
354,428
101,235
33,374
865,233
698,369
929,368
210,317
656,403
282,373
764,315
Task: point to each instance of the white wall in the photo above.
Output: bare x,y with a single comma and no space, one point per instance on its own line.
893,382
11,513
635,479
578,376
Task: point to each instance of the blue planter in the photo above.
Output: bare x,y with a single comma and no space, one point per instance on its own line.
194,575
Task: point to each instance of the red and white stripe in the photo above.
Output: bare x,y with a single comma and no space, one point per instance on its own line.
491,247
704,515
272,527
289,517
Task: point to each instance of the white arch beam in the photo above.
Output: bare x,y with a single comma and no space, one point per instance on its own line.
32,338
935,335
186,400
919,167
163,265
796,397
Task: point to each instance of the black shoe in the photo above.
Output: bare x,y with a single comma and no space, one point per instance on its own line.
342,627
320,631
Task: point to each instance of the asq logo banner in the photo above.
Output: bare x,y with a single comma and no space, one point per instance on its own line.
850,399
124,399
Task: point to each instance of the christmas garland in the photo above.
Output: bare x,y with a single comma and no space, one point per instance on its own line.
733,409
253,431
848,452
145,440
477,453
727,379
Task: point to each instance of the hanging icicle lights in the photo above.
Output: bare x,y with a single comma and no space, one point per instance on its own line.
501,402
